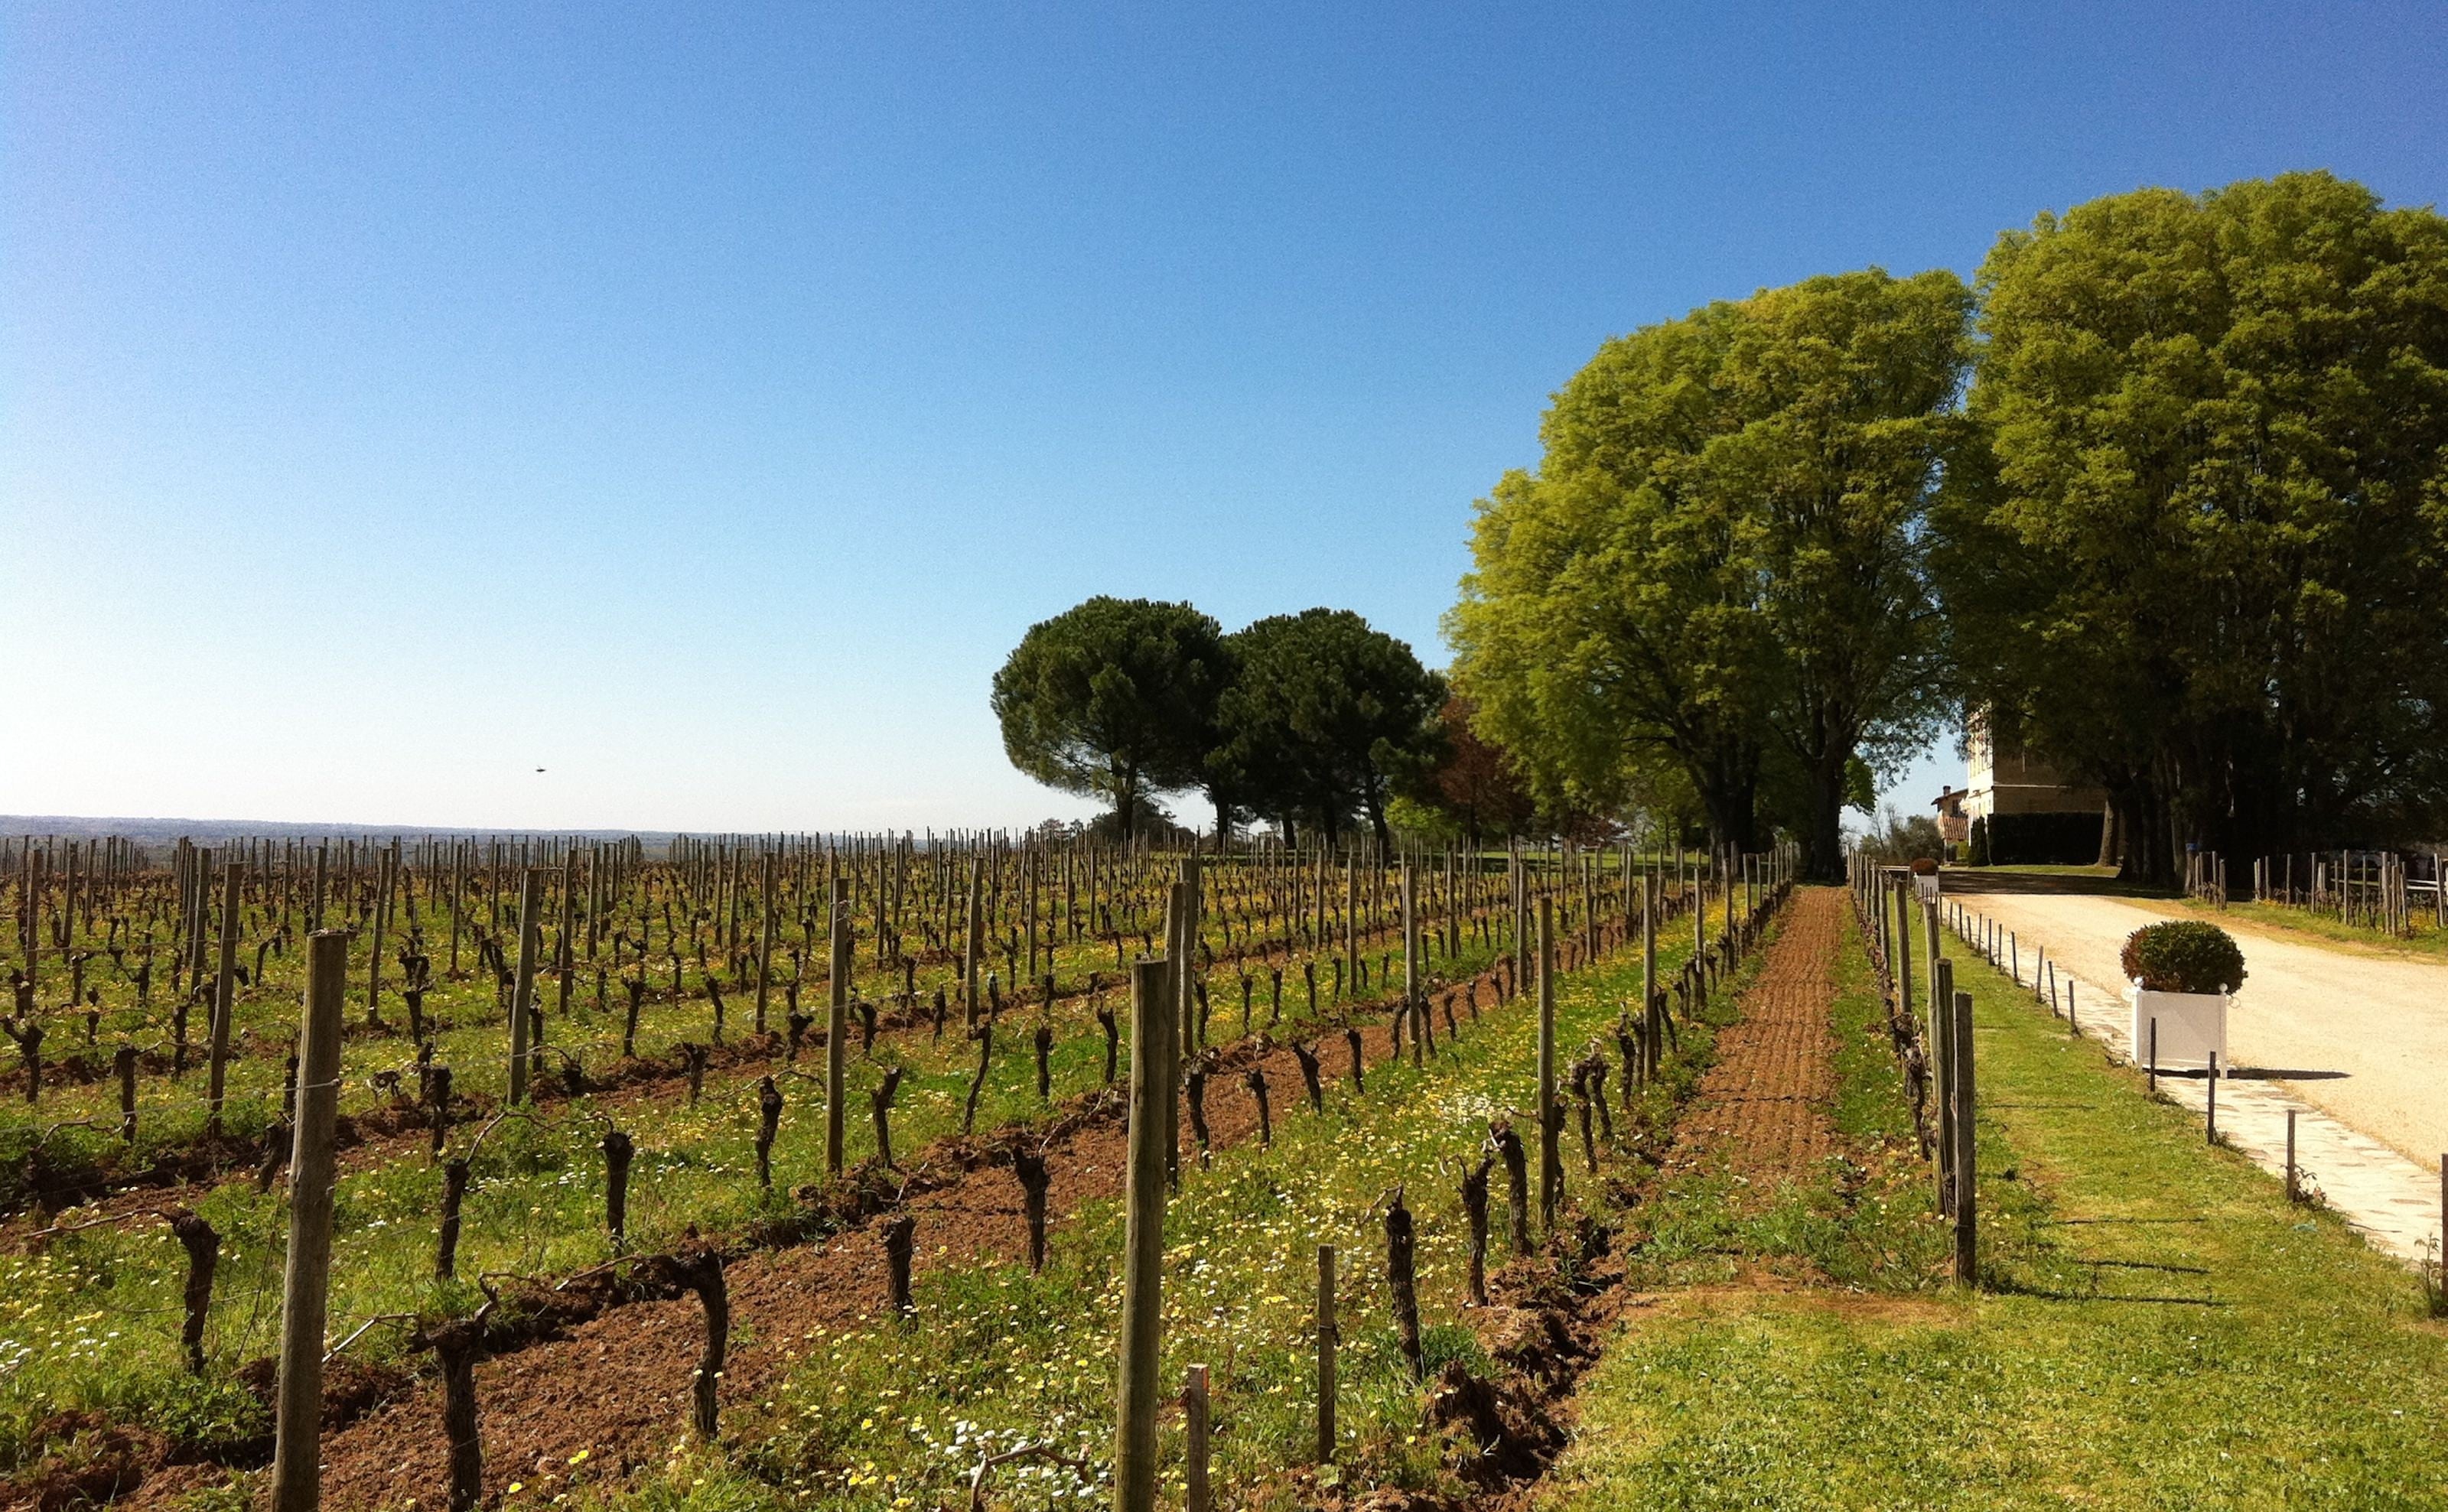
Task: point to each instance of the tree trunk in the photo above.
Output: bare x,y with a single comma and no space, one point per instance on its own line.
1728,791
2149,824
1826,849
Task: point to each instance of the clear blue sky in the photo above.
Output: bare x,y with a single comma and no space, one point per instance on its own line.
697,402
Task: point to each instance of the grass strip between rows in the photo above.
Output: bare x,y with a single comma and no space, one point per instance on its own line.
2160,1327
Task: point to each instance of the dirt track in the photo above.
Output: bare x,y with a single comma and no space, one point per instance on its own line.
1762,1111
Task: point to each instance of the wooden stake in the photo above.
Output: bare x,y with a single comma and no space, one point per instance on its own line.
1967,1260
1134,1439
765,946
1650,1031
295,1456
836,1025
124,1063
1195,1411
523,986
1550,1160
224,984
1326,1337
1942,1077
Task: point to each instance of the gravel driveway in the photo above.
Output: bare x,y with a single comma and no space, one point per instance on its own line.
2361,1034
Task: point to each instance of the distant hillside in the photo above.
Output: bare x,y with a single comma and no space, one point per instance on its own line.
209,832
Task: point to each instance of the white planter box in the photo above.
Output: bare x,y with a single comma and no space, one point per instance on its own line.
1926,887
2192,1027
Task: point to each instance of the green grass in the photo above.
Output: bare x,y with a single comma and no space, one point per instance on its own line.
2321,927
89,1319
882,1416
1863,1220
2161,1329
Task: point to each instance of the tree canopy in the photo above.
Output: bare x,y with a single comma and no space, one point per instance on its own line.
2172,513
1325,716
1474,780
2199,551
1310,718
1114,698
1718,566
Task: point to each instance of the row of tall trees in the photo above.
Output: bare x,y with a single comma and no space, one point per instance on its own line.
2200,553
2163,498
1312,718
1714,590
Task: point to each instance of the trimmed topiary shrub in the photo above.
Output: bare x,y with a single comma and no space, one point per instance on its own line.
1924,866
2183,955
1980,850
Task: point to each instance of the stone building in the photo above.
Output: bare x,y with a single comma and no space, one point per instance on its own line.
1954,826
2034,816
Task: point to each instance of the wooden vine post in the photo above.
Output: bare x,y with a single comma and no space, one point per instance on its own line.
1415,1006
523,986
224,985
295,1456
1942,1076
1135,1438
1474,1207
1967,1258
1551,1161
969,943
836,1026
1903,948
1326,1340
1649,1033
765,946
1184,987
1196,1424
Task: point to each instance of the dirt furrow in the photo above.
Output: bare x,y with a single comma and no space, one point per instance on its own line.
1762,1109
617,1386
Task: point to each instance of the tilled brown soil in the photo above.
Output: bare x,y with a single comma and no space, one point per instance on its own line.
1761,1111
617,1387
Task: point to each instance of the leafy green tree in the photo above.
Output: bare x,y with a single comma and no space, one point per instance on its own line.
1847,388
1474,781
1720,558
2199,558
1114,697
1324,718
1897,839
1609,627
